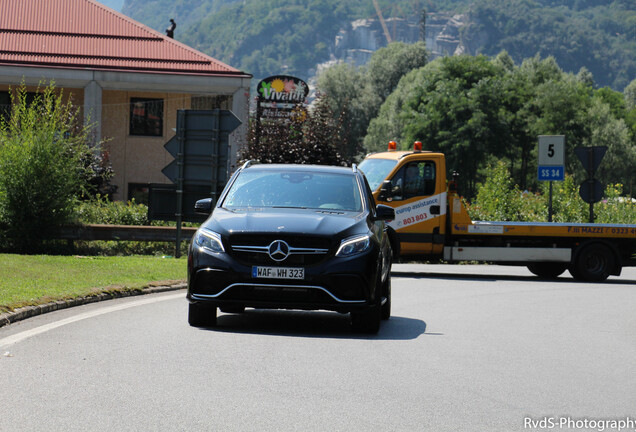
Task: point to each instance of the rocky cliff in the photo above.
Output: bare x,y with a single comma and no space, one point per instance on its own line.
442,33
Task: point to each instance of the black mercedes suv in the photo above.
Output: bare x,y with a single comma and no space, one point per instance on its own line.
292,237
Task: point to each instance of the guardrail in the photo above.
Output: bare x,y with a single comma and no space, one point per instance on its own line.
123,232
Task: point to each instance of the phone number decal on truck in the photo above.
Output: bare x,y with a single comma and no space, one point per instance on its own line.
602,230
417,211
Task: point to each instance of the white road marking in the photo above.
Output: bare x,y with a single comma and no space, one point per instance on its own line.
19,337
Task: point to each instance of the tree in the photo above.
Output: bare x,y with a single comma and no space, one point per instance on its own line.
630,95
357,93
43,149
340,86
307,137
619,163
450,106
389,64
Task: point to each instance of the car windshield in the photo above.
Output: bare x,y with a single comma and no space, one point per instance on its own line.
294,189
376,170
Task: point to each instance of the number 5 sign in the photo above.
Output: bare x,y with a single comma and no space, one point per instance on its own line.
551,157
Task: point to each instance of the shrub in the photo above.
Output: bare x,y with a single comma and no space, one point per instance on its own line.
43,147
615,208
102,211
498,199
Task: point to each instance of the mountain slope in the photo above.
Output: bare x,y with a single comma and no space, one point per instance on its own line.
266,37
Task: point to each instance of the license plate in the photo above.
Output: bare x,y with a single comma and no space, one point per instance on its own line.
278,272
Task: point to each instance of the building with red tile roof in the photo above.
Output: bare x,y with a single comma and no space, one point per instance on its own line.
129,79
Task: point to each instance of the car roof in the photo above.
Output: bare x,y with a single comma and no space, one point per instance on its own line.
301,168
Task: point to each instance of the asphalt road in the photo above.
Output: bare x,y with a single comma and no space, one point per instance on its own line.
468,348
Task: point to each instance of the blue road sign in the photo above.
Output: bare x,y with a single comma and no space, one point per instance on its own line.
551,173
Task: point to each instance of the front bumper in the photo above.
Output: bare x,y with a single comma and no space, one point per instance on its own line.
338,284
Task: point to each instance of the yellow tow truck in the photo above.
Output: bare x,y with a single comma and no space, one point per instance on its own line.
431,222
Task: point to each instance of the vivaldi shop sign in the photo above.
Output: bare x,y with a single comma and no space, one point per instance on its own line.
282,92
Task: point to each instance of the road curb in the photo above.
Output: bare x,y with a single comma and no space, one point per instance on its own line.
31,311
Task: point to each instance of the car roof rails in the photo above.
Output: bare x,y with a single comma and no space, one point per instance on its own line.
248,164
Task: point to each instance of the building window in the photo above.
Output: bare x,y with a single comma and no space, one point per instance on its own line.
5,102
5,105
138,192
146,117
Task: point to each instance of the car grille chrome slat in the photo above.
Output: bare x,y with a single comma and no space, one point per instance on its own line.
292,250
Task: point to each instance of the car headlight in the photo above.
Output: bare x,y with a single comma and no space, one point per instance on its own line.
353,245
208,241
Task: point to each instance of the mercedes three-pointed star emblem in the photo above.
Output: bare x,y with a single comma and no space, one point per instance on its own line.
278,250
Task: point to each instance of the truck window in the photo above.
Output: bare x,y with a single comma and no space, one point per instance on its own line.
414,179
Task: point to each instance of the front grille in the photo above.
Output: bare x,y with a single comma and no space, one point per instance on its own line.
303,250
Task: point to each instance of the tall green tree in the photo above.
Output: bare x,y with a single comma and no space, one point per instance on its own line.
356,94
449,106
605,129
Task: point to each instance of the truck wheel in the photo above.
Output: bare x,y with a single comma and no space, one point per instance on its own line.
201,316
547,270
593,264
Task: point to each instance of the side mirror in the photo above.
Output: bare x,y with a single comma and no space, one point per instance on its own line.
385,191
384,212
204,206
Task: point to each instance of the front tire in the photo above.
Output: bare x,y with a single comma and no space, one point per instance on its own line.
201,316
367,321
386,299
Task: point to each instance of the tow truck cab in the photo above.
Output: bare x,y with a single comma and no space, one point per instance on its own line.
414,184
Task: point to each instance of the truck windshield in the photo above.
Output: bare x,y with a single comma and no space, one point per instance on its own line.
376,170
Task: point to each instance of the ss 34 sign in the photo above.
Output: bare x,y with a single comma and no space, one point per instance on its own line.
551,157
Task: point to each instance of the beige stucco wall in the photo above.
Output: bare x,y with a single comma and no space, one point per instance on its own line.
137,159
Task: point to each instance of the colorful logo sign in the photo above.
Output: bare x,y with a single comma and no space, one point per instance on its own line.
282,89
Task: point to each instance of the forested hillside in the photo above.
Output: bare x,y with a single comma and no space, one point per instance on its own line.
265,37
599,35
157,13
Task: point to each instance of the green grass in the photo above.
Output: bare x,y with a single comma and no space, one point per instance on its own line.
36,279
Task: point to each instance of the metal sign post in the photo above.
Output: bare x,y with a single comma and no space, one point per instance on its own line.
180,165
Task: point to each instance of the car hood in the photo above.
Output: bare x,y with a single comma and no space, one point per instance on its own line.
285,221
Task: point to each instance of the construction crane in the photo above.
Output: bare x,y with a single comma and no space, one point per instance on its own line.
381,18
